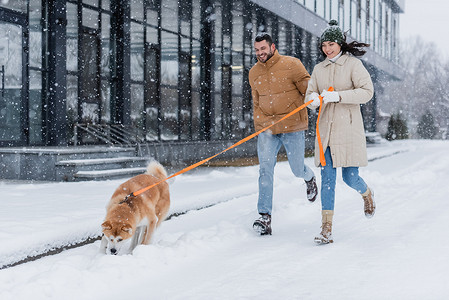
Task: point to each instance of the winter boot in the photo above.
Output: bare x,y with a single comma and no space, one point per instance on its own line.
312,190
370,205
325,236
263,225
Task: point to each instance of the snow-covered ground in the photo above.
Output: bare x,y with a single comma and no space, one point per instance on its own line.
401,253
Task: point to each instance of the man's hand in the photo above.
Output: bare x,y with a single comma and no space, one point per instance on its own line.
330,96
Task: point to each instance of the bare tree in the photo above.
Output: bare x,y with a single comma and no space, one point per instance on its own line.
423,87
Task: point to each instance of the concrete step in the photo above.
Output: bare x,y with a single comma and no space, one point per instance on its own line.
108,174
79,153
100,161
39,163
67,169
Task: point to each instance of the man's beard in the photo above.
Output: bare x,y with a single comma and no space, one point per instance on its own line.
269,55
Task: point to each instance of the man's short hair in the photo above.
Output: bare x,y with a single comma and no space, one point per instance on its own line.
263,36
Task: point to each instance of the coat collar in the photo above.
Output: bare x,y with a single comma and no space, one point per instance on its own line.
272,61
340,61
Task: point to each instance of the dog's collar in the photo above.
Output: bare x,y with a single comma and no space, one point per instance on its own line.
128,197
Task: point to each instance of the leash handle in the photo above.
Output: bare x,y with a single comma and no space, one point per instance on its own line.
320,145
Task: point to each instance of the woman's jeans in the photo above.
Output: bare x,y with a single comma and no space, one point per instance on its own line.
268,146
328,176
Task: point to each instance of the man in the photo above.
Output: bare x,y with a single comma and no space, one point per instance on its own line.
278,86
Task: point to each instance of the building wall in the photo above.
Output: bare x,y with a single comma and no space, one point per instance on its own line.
168,70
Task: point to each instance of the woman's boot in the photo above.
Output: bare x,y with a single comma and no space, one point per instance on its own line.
325,236
369,204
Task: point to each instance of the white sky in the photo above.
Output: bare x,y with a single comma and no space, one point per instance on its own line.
428,19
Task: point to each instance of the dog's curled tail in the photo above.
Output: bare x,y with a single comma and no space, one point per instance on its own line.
156,169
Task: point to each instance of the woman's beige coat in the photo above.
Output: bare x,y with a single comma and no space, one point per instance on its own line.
341,124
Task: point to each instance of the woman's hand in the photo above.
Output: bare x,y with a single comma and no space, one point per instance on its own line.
330,96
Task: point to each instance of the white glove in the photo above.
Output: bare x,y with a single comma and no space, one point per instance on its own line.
330,96
316,99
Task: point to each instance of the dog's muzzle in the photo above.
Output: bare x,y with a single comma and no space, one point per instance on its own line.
113,251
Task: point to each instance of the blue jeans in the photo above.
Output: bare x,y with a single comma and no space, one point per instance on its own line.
328,176
268,146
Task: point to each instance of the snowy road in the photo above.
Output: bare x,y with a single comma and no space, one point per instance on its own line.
402,253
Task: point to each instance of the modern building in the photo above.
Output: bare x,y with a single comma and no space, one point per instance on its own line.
163,72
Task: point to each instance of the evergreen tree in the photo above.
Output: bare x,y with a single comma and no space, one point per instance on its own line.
397,128
391,135
402,130
426,126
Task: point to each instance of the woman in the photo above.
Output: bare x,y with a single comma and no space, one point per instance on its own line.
341,128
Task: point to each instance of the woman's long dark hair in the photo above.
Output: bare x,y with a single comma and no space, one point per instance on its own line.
354,47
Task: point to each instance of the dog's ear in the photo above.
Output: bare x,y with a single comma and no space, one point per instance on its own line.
106,225
127,228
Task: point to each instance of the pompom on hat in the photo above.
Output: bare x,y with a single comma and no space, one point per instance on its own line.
332,33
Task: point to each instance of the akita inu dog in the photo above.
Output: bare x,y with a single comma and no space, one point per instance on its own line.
134,220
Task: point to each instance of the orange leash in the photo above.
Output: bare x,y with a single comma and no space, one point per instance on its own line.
322,159
134,194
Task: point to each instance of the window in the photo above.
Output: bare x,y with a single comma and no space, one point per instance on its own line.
153,4
35,73
90,18
72,37
320,8
152,91
169,86
359,9
137,49
136,10
170,15
185,10
18,5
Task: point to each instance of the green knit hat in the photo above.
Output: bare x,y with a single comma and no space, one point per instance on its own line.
332,33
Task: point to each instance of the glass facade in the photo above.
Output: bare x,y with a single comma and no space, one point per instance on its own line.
166,70
87,63
371,21
16,101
